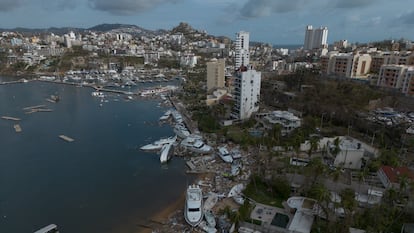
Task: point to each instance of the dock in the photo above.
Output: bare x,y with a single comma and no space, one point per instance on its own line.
17,128
33,110
10,118
66,138
33,107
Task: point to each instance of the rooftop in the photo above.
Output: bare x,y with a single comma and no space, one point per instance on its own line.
393,173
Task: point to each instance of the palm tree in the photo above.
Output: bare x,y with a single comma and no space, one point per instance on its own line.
316,168
313,142
322,195
349,204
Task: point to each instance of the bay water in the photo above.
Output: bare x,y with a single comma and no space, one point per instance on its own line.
101,182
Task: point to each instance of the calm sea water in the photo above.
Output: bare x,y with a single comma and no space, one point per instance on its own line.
101,182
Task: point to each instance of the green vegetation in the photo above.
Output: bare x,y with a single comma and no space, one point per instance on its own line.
272,192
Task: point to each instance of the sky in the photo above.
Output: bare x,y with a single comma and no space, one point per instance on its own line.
271,21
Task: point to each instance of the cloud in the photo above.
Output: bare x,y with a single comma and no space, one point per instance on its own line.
59,4
128,7
407,18
8,5
260,8
355,3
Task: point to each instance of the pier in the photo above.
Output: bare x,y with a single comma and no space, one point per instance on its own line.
33,107
66,138
10,118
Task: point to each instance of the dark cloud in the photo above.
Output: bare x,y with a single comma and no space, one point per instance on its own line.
260,8
355,3
59,4
8,5
407,18
128,7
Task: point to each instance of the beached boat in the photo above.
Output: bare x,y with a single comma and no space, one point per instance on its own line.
157,145
224,154
181,131
206,228
193,212
209,216
210,201
194,143
236,190
166,152
166,116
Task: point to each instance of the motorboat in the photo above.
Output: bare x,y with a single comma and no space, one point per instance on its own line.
236,190
52,228
157,145
224,154
166,152
195,143
166,116
210,201
206,228
98,94
181,131
193,212
209,216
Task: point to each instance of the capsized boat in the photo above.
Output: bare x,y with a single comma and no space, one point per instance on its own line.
157,145
193,212
224,154
166,152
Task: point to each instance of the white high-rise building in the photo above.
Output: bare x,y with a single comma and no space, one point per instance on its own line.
246,93
315,38
242,49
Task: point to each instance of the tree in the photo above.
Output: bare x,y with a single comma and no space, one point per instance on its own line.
316,168
313,142
349,204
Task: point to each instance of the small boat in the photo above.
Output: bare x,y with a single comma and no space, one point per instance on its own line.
224,154
193,212
208,229
166,152
157,145
209,216
166,116
211,201
98,94
235,168
236,190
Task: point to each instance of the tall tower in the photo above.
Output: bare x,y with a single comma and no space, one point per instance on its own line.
246,93
308,38
215,74
242,49
315,38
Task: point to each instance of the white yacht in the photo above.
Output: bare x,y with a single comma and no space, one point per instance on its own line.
224,154
193,212
181,131
157,145
195,143
166,152
166,116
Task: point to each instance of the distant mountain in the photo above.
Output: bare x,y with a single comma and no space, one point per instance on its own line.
117,28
